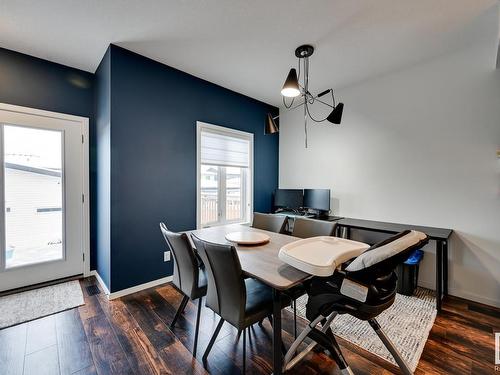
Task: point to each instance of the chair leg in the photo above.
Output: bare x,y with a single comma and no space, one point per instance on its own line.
405,369
212,340
333,348
244,349
180,310
196,331
290,361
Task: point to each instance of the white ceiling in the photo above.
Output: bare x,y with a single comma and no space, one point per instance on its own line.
244,45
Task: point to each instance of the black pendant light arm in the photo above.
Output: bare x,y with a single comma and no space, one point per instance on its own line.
311,117
316,98
323,93
287,106
298,105
333,99
325,103
302,103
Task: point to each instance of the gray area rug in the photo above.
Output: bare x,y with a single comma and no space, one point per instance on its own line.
407,323
33,304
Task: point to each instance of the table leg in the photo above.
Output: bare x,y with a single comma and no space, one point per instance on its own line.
277,356
344,232
439,273
445,268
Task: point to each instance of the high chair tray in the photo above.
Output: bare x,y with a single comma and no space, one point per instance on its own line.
320,256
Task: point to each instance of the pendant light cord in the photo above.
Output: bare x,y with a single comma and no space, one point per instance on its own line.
306,88
305,123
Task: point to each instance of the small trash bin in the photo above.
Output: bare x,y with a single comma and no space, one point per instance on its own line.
408,273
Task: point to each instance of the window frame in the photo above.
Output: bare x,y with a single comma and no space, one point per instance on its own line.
247,188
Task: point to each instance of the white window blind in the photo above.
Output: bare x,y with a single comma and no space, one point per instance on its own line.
224,150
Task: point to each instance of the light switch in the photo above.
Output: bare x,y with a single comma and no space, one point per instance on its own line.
166,256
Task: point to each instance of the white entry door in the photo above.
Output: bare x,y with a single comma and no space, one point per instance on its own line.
43,181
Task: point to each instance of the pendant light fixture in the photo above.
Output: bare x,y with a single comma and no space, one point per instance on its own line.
271,126
336,115
293,89
291,86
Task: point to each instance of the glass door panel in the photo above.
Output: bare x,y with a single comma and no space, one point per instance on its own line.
234,183
34,190
209,198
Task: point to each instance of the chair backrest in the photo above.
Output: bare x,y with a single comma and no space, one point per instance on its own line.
186,268
272,223
305,228
382,258
226,294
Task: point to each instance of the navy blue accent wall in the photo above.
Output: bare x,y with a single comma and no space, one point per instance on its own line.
36,83
103,162
154,109
142,148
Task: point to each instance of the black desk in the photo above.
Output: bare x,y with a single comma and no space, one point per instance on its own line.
440,235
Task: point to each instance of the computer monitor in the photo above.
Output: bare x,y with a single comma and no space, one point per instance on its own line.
317,199
288,198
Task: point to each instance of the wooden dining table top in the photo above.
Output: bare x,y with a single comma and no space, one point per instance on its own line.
258,261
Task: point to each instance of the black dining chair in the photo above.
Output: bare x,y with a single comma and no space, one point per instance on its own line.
189,275
277,223
240,301
269,222
305,228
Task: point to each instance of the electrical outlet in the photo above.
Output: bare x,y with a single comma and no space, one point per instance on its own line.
166,256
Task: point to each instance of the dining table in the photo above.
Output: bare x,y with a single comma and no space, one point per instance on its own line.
261,262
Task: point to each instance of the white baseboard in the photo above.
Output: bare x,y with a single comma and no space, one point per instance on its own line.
140,287
151,284
463,294
100,281
474,297
130,290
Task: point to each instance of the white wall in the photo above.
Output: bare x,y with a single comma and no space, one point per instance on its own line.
417,146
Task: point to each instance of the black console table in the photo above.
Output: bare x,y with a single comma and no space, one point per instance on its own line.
440,235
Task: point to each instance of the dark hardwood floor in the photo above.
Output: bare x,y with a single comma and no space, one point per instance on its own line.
131,336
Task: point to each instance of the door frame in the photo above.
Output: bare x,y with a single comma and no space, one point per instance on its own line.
83,122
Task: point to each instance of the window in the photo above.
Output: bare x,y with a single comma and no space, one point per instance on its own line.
225,162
